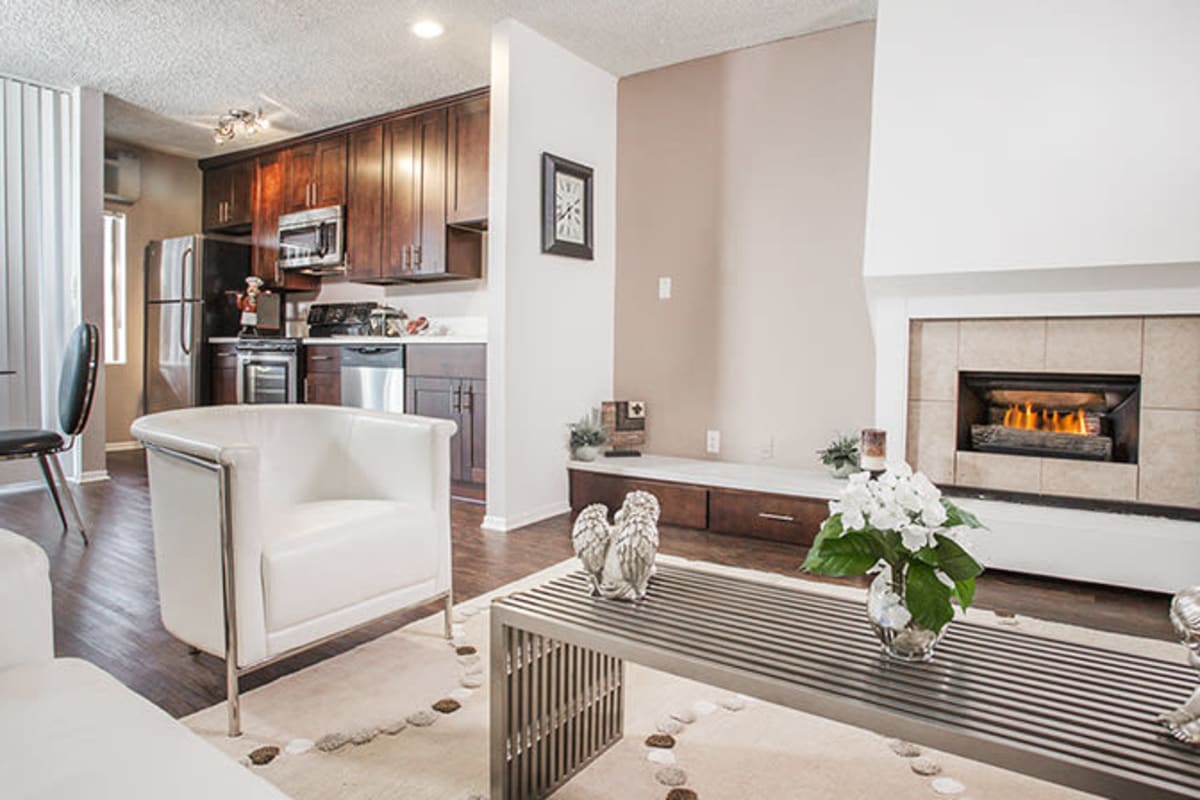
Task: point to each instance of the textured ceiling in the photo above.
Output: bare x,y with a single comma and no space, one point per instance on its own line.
171,67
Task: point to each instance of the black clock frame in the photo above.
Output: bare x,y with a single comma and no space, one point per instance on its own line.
551,166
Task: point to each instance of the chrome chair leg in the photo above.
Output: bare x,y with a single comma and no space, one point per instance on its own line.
52,485
449,615
70,496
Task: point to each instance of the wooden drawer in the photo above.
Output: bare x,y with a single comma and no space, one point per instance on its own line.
224,356
446,360
766,516
323,358
682,504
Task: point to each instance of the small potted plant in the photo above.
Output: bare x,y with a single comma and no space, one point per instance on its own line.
841,456
587,437
920,546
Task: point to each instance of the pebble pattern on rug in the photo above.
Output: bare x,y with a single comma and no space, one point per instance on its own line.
923,765
421,719
682,794
447,705
904,749
363,735
684,715
660,740
664,758
669,726
263,755
947,786
732,703
331,742
465,650
297,746
391,729
671,776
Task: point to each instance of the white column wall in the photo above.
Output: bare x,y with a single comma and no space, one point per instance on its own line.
550,318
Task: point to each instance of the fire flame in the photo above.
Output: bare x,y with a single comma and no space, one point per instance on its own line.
1032,419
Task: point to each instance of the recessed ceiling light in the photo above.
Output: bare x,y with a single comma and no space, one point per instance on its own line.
428,29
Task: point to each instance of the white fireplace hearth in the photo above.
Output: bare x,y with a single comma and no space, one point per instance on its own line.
1128,518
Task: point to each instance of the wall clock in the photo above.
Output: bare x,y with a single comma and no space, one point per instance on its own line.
566,208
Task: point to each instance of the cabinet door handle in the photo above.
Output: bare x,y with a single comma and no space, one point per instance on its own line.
319,358
458,399
306,390
776,517
417,253
470,400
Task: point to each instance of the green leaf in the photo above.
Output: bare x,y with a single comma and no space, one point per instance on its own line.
926,556
927,598
959,516
852,553
965,592
955,561
831,528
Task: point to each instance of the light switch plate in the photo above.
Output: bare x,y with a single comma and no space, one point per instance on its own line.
664,288
712,442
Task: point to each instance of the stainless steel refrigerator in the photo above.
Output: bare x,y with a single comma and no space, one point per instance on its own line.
190,285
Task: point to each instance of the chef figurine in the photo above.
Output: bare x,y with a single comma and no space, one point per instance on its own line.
247,303
1184,722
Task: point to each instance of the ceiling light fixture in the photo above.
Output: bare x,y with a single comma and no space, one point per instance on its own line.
428,29
239,121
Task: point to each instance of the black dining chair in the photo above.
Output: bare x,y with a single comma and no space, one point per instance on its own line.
76,387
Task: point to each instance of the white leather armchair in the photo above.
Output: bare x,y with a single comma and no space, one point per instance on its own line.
277,527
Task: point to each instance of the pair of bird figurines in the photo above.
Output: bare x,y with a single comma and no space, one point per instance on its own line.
619,557
1184,722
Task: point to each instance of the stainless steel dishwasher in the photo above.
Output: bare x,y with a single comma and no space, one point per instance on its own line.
373,377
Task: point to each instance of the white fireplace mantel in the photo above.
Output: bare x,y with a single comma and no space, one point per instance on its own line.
1069,543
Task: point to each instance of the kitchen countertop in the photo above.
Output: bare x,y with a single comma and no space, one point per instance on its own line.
795,481
371,340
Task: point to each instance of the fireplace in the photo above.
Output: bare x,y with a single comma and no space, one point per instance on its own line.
1057,415
1089,412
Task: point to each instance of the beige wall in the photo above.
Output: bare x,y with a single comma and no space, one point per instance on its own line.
743,177
169,206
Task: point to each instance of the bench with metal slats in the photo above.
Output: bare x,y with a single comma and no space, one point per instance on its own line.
1072,714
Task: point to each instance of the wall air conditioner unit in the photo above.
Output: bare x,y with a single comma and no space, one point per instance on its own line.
122,176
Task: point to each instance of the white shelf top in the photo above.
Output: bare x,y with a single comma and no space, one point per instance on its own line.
796,481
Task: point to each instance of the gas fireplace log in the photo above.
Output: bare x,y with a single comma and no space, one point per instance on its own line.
1001,439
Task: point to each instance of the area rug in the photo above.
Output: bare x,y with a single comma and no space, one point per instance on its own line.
361,725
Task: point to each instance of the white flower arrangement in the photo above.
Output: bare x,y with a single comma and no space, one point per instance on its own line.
900,526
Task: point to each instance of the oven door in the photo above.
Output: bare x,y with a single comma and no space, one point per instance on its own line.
266,378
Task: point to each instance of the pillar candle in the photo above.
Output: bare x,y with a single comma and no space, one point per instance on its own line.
874,449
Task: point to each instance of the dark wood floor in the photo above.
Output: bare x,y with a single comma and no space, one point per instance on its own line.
106,601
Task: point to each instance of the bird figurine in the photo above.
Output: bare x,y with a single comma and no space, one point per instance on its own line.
619,558
1184,722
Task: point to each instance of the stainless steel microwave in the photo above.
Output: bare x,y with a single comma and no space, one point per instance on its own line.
313,241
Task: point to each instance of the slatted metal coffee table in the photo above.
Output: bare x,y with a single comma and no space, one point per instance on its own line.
1075,715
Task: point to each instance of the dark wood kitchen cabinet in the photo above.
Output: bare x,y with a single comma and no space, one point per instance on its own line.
450,382
415,198
228,198
364,204
264,227
223,374
323,374
315,175
467,163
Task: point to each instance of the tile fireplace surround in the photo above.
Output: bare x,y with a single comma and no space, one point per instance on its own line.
1164,352
1138,544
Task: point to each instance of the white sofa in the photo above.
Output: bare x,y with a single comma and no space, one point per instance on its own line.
69,729
279,526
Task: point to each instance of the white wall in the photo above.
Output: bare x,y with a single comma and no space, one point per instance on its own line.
1018,134
550,318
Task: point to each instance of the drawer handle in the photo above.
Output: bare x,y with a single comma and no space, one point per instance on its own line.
776,517
320,358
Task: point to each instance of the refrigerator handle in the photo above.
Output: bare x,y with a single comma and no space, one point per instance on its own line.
184,329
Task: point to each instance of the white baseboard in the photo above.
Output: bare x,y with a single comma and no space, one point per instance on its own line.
506,524
93,476
121,447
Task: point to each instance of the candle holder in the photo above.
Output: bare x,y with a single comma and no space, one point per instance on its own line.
873,447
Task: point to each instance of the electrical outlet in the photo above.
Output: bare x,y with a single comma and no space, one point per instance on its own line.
664,288
712,442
